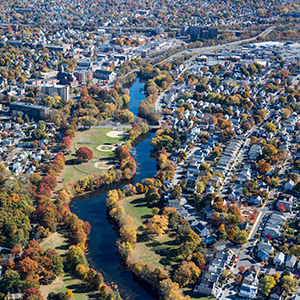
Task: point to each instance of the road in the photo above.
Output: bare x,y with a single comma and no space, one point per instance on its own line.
217,47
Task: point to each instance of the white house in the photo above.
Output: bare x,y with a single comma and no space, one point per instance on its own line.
279,259
291,261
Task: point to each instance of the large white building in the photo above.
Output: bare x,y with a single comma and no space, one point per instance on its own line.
53,90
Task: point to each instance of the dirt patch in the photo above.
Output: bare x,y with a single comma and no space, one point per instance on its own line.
46,289
115,134
106,148
104,164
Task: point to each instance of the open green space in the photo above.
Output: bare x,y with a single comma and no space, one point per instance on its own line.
159,251
102,160
95,137
57,241
68,282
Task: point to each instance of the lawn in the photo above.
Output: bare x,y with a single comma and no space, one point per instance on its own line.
91,138
160,251
67,282
56,241
95,137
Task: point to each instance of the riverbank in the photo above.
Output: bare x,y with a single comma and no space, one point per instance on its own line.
102,251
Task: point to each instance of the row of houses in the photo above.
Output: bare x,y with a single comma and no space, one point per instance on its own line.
228,156
207,284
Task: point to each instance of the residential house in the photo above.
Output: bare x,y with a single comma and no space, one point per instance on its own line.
266,247
291,261
244,226
273,230
210,239
220,245
279,259
256,200
249,286
264,256
206,287
201,229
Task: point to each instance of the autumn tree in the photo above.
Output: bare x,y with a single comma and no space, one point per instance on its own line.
187,273
221,232
289,284
270,127
156,225
84,154
266,284
65,143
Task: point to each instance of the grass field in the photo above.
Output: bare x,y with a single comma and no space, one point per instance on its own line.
161,250
91,138
56,241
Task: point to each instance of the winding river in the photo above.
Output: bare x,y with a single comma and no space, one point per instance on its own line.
102,253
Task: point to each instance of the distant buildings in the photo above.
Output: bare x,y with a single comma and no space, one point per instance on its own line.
59,48
199,32
34,111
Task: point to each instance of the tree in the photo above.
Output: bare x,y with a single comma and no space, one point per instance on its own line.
263,113
10,281
241,237
125,249
281,207
289,284
65,143
221,232
28,266
266,284
231,234
263,167
84,153
198,259
269,151
200,187
70,294
270,127
187,272
216,220
175,193
297,165
156,225
58,296
238,278
38,134
182,155
245,126
295,250
32,294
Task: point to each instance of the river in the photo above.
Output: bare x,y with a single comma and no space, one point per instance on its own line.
102,252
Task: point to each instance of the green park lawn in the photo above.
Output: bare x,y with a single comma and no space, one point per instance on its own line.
160,251
91,138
